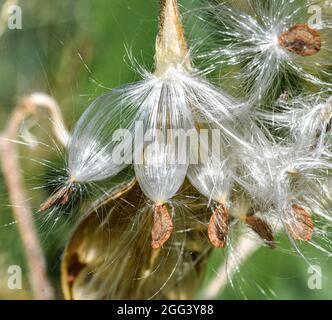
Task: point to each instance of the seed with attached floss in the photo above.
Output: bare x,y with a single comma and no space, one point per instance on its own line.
301,226
162,226
301,39
262,228
61,197
218,226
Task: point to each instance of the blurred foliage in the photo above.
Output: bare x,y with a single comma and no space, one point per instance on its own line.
74,50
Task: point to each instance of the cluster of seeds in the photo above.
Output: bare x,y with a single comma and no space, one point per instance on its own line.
271,156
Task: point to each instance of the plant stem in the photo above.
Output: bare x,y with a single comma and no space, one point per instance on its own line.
238,255
9,153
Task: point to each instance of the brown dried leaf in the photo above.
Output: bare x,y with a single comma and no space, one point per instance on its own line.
218,226
301,226
262,228
301,39
162,226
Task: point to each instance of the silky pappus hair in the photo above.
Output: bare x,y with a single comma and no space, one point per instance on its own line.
174,97
264,191
268,47
304,119
305,154
284,184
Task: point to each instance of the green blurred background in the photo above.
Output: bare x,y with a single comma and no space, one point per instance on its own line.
60,42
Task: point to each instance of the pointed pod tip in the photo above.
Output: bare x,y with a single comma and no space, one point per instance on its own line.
171,44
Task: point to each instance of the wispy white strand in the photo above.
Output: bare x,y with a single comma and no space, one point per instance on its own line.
249,39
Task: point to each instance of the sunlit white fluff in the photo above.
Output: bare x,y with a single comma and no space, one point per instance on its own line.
160,163
273,177
213,176
174,96
92,146
306,118
245,35
282,177
172,101
180,100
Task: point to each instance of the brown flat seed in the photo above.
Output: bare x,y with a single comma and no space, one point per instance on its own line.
301,227
162,226
218,226
61,197
262,228
301,39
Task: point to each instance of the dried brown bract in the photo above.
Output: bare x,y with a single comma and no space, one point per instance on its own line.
301,39
262,228
218,226
301,226
162,226
61,197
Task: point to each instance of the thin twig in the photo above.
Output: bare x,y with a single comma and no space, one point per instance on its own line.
17,195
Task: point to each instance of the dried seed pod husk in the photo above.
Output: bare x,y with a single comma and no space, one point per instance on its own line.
262,228
301,39
218,226
300,226
109,255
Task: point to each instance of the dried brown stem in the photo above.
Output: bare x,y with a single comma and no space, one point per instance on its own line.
17,194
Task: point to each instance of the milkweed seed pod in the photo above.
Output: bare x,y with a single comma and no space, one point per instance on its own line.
269,171
270,46
109,255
